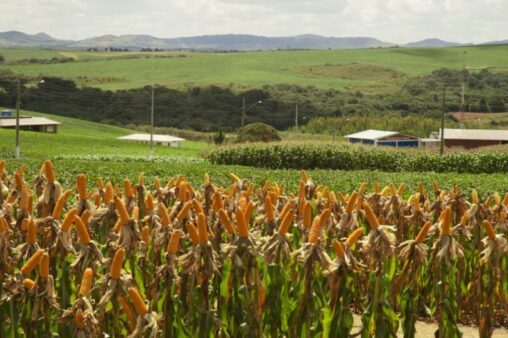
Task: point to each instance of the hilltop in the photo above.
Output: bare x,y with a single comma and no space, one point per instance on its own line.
219,42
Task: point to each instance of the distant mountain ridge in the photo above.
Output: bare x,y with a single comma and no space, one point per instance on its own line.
241,42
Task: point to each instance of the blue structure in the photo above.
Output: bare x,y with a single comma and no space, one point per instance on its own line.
6,113
384,138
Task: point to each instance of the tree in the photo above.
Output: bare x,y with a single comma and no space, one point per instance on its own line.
219,137
2,59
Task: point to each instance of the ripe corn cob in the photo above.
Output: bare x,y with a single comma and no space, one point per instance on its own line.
352,202
44,265
193,233
50,173
286,223
490,230
224,218
174,242
84,236
184,211
203,231
32,262
241,225
423,232
86,282
339,248
139,304
371,217
116,264
354,237
82,187
57,212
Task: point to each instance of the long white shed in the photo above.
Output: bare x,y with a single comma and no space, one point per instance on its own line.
166,140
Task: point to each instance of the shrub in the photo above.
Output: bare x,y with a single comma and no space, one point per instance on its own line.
258,132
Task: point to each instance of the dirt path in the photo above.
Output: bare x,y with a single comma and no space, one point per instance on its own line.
426,330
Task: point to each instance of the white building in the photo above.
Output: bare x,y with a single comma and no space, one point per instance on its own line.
166,140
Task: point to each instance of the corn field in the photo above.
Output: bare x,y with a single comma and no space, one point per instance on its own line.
173,260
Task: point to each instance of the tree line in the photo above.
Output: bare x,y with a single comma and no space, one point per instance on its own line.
210,108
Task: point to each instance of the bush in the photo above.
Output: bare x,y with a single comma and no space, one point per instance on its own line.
219,137
344,157
258,132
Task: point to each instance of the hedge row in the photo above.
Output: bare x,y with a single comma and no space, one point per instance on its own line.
343,157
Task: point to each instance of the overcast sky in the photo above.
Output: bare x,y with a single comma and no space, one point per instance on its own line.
396,21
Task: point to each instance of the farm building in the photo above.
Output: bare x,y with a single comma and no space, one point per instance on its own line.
40,124
473,138
383,138
166,140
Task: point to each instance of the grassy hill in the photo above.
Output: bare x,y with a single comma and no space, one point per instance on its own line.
121,70
79,138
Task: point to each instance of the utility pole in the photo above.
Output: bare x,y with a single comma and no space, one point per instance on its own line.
151,121
441,149
463,88
296,117
243,112
18,104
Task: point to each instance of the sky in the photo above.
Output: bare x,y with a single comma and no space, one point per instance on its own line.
397,21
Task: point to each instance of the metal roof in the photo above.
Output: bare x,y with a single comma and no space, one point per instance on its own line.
27,121
475,134
372,134
156,138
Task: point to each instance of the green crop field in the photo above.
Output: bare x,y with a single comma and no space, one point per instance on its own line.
82,146
338,69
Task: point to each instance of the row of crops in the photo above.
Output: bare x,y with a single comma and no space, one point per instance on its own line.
344,157
173,259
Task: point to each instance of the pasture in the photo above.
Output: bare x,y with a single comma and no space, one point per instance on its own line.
338,69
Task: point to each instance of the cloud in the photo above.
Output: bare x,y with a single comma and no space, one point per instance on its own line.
390,20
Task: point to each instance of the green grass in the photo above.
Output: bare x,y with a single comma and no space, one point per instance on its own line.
254,69
83,138
92,148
